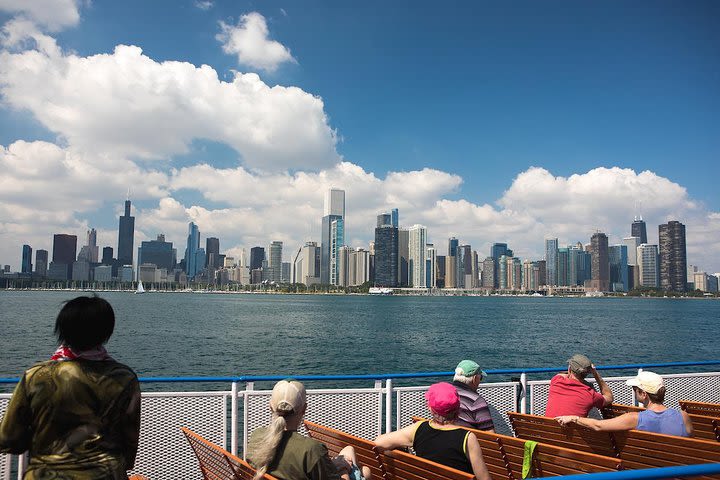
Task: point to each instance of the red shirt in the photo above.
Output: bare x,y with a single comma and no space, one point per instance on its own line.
568,396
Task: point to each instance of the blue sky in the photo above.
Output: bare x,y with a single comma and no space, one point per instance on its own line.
442,110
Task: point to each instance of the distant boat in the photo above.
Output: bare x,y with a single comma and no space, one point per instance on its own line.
380,291
140,288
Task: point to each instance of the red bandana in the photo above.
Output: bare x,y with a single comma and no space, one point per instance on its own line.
66,353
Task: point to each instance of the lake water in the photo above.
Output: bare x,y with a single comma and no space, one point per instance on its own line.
163,334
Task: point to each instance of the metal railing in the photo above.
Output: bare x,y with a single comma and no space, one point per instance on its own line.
226,417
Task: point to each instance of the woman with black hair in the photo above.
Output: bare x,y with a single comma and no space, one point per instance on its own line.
78,414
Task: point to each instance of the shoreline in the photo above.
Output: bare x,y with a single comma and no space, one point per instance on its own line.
401,293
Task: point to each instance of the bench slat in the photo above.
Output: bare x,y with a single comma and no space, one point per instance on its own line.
216,463
701,408
637,449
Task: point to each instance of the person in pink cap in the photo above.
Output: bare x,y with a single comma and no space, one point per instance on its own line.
440,439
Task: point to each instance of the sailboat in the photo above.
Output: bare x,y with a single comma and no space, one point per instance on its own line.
140,288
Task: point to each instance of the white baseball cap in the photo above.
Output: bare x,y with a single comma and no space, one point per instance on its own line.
649,382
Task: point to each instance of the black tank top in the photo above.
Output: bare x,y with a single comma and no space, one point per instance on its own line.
442,446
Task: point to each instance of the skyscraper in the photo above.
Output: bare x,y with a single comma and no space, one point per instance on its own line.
332,235
453,256
306,266
191,251
157,252
126,233
466,267
386,252
498,250
430,265
41,262
395,217
64,248
403,241
212,252
257,255
63,256
92,245
617,256
26,264
417,253
647,258
639,229
551,259
673,256
600,262
275,263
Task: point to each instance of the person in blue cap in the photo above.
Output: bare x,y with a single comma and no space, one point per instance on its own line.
474,410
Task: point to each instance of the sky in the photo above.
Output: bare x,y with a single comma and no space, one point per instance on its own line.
488,121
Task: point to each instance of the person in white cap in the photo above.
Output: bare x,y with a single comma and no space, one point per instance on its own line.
285,454
649,389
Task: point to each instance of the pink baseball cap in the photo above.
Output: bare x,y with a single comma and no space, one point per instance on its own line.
442,398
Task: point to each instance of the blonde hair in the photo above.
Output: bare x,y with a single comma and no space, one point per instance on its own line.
263,452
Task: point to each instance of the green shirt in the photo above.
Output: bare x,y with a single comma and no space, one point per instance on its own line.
297,458
79,419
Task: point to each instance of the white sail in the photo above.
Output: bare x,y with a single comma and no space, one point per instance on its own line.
140,288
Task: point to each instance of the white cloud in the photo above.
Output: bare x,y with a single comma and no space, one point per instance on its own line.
51,14
204,4
127,105
250,42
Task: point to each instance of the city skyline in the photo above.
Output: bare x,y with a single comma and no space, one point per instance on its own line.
516,124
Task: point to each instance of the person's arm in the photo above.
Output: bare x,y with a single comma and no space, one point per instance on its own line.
474,454
16,429
604,388
130,423
324,469
626,421
688,422
399,438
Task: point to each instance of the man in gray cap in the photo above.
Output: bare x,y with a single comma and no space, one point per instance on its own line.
474,411
571,394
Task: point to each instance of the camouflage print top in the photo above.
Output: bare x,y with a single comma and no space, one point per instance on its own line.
79,419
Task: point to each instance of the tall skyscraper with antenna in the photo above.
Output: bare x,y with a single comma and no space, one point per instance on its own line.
639,229
126,234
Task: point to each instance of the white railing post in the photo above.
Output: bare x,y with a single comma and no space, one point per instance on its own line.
233,418
249,386
22,464
523,392
381,408
388,405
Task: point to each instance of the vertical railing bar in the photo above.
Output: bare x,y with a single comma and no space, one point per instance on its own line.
523,392
233,418
379,423
398,408
388,405
22,463
249,386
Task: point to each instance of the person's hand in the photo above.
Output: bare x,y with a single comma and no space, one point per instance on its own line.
566,419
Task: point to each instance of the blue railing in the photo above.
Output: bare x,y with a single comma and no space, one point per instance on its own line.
651,473
391,376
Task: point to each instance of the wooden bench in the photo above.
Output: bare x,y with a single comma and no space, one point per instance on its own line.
389,465
701,408
504,456
704,427
638,450
216,463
